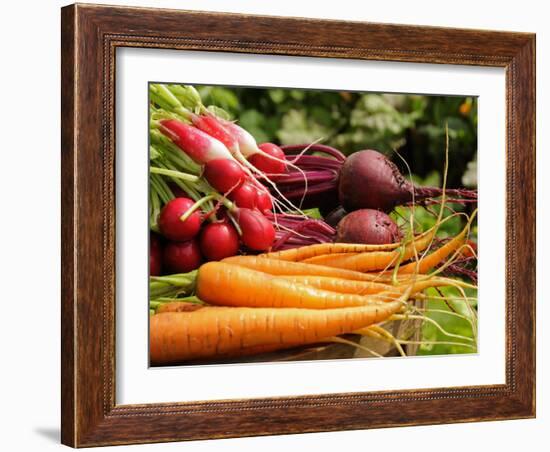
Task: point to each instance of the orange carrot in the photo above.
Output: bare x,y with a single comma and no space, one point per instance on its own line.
207,333
311,251
178,306
376,260
322,258
306,252
182,306
340,285
383,291
281,267
223,284
429,261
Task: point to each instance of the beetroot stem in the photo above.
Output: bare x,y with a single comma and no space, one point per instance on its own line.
338,155
311,190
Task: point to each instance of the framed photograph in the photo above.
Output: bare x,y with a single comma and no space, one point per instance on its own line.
282,225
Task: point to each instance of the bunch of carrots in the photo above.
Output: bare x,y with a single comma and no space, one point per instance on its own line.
251,304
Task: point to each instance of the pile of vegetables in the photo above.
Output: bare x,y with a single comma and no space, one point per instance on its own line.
242,260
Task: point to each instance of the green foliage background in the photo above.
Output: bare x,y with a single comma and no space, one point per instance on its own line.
413,125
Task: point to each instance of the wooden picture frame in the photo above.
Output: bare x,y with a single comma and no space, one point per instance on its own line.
90,36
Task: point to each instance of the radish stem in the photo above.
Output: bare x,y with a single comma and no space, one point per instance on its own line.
174,174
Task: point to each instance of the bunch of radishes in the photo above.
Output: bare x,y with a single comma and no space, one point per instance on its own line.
188,243
210,203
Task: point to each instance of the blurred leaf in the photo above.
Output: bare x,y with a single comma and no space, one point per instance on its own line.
221,97
469,178
313,213
296,128
376,122
254,122
297,94
220,112
277,95
450,323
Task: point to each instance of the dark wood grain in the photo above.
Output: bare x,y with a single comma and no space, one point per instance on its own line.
90,36
67,227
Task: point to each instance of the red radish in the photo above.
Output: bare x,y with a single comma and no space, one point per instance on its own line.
223,174
369,180
218,241
367,226
170,223
265,163
264,202
155,255
244,195
212,126
258,232
198,145
181,257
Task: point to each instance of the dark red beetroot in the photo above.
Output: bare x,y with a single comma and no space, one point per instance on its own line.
155,255
223,174
369,180
244,196
258,232
170,223
367,226
218,241
266,164
181,257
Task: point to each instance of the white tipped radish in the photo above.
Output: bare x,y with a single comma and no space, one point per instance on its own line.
199,146
212,126
247,143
